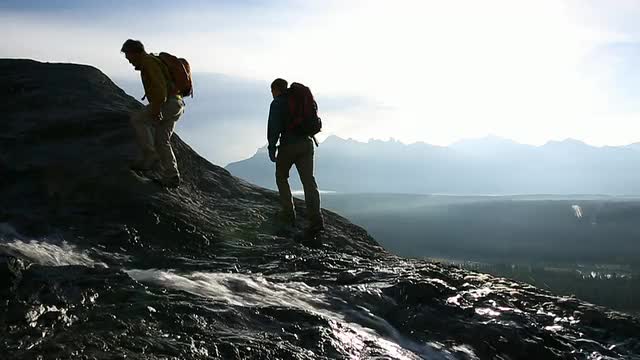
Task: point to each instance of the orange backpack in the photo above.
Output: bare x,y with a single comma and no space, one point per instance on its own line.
180,73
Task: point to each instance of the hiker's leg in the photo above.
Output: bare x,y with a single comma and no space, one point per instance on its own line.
141,124
286,157
171,112
304,164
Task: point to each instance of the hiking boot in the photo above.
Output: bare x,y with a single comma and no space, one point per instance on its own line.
287,218
170,182
147,164
304,239
313,230
310,237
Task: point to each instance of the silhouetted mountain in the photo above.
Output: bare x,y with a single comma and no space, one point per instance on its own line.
481,166
97,264
634,146
488,146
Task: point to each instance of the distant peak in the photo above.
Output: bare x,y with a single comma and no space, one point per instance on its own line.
567,142
489,144
634,146
335,139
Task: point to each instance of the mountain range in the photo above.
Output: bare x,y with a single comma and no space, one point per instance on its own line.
489,165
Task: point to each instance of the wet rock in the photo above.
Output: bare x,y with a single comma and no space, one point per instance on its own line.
420,291
11,269
347,277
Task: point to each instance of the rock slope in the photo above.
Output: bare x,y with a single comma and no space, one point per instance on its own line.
95,264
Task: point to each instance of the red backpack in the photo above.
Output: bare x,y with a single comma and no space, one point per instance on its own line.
304,111
180,73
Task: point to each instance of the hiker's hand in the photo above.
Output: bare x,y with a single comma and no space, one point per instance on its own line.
272,155
156,116
155,112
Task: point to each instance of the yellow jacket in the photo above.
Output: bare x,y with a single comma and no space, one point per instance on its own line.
154,79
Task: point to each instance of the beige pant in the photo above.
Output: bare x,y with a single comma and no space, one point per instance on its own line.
154,136
300,155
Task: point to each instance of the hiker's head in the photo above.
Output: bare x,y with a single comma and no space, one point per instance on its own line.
278,87
133,50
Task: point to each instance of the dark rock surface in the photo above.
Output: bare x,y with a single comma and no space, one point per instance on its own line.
95,264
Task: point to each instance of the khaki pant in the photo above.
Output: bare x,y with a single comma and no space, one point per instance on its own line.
154,137
300,155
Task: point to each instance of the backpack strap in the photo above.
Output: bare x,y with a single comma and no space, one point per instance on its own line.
296,107
165,72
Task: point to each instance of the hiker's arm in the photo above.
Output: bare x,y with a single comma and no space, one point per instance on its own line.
157,93
274,126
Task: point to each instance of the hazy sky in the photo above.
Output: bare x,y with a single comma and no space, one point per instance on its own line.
433,71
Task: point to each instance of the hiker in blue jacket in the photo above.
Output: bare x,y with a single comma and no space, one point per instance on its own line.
293,149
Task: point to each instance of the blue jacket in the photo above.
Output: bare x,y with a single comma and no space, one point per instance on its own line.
277,126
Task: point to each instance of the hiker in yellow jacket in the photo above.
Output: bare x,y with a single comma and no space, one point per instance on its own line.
155,124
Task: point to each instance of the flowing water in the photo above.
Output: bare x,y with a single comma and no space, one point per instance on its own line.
352,327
